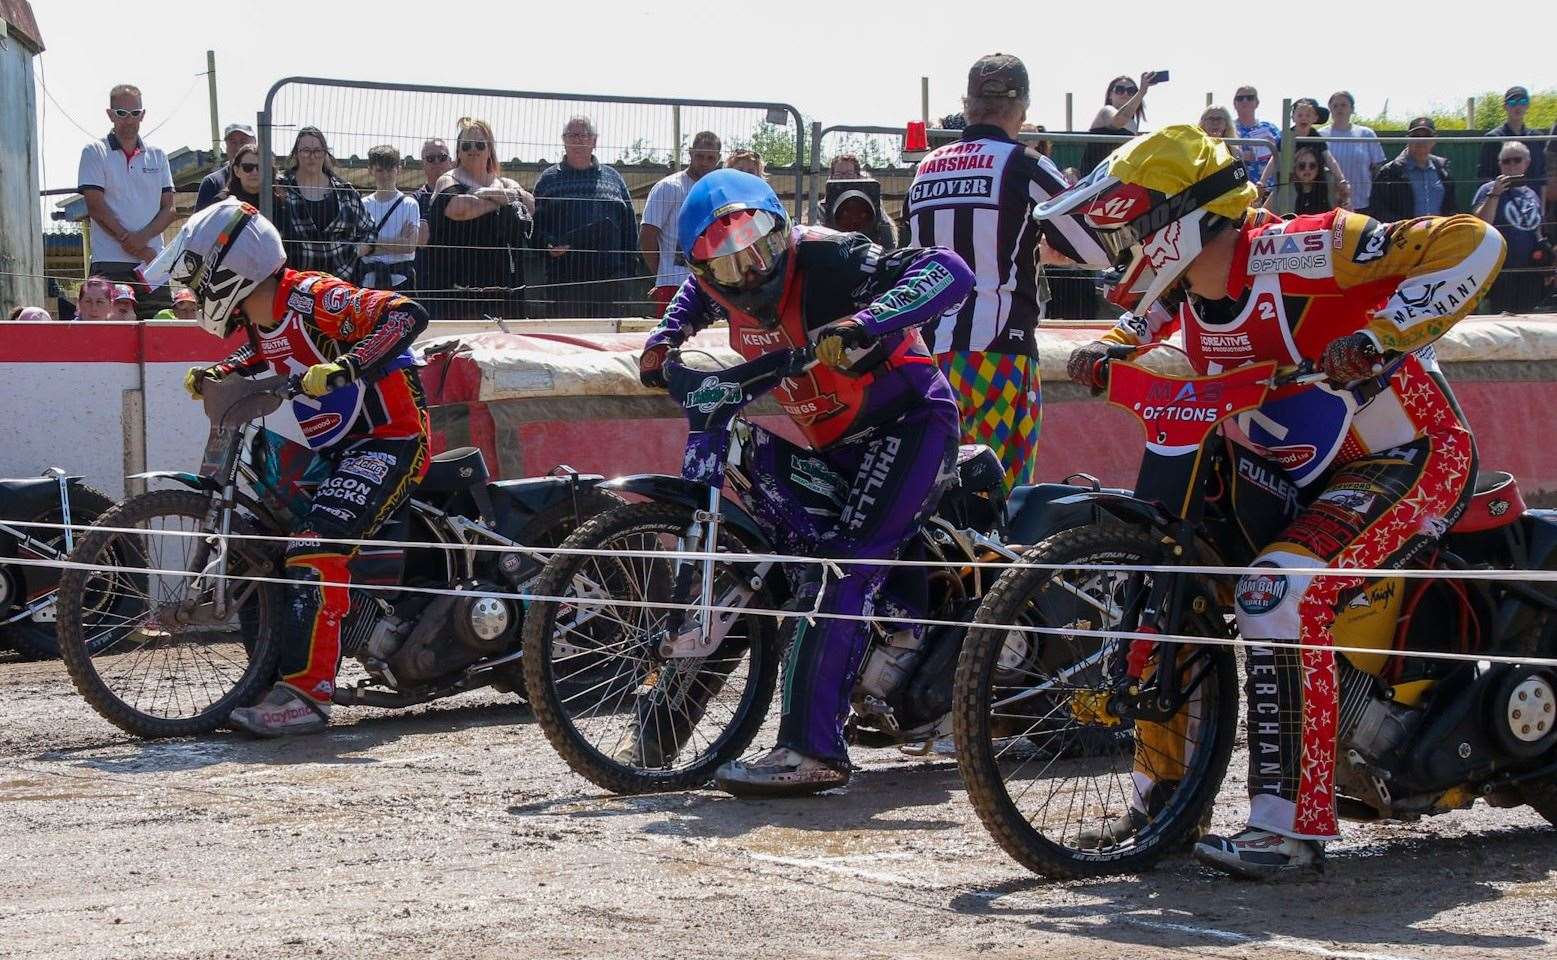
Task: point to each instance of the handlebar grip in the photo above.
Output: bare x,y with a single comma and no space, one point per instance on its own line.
294,386
1121,351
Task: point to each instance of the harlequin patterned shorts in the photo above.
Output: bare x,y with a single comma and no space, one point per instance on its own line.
1000,396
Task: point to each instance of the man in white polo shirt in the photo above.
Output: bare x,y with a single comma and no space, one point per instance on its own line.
128,188
657,235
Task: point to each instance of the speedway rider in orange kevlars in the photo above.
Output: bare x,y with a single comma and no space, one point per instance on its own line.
361,411
1380,451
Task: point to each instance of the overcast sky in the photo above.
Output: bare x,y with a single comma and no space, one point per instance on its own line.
837,62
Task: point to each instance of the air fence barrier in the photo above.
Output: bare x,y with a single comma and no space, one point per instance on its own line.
470,269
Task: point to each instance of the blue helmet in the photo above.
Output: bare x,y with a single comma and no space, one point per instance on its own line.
735,238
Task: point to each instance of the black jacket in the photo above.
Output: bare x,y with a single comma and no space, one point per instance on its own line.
1392,198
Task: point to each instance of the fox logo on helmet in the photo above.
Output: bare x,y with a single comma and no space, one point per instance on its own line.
1163,248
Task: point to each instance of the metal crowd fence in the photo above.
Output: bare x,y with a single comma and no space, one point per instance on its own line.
505,263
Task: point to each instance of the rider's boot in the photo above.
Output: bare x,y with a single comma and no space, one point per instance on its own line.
1113,833
1256,854
781,772
283,712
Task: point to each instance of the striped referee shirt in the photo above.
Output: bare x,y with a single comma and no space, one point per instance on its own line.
976,196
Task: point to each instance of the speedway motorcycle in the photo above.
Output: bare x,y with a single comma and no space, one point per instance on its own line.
1416,736
191,582
28,588
653,649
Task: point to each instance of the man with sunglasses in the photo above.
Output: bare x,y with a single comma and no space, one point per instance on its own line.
877,415
234,138
437,160
128,188
1381,447
1246,100
1516,104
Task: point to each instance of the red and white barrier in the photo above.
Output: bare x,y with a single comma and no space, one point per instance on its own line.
104,399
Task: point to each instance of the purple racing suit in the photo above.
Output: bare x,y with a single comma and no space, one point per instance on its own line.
884,439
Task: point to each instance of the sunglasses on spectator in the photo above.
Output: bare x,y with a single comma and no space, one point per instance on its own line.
121,113
249,167
473,146
436,158
1124,88
1246,96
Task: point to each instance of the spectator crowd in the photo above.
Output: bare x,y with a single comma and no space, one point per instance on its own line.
471,242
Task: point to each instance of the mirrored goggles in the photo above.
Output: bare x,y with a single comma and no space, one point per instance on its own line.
750,245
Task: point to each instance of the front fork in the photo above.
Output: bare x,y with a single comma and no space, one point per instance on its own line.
702,535
1158,697
210,560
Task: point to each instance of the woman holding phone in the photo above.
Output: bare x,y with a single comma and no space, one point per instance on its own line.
1124,107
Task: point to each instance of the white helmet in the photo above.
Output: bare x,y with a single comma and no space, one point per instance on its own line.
221,253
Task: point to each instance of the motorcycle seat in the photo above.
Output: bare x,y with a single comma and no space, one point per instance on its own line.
454,470
1495,503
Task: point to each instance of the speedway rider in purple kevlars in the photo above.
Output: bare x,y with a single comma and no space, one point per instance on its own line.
876,411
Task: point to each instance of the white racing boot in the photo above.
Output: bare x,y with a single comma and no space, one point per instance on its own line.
1256,854
282,713
781,772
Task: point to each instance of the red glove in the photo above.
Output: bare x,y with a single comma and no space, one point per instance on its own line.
1351,358
1082,367
651,366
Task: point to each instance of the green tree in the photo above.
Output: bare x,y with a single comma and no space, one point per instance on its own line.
640,151
874,150
1489,113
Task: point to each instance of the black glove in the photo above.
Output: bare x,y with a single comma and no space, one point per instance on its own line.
1351,358
651,366
1082,367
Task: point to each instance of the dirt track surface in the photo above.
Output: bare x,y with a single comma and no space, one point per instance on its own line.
454,831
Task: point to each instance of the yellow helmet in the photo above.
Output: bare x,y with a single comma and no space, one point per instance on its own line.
1153,203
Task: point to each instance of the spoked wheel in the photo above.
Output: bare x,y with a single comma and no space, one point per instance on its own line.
619,713
164,659
34,635
1065,786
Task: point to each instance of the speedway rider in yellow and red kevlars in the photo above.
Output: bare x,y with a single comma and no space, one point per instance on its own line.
361,411
1380,451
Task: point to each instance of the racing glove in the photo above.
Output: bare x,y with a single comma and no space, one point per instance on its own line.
196,378
1351,358
321,378
651,366
834,341
1082,367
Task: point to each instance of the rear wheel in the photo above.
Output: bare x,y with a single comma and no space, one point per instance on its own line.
163,661
34,636
1052,773
619,713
